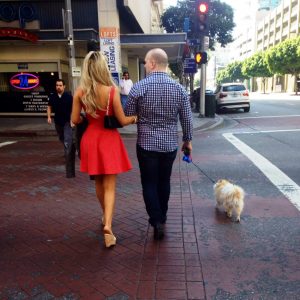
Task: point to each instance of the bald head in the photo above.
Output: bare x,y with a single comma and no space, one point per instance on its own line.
159,58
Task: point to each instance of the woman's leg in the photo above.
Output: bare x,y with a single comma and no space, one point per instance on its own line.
99,190
109,190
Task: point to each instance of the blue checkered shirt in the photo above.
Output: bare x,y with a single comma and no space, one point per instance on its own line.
158,101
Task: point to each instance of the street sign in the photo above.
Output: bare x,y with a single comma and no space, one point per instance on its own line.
76,71
194,42
206,43
189,66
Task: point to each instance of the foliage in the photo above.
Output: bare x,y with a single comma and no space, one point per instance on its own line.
235,71
256,66
232,72
284,58
223,76
220,21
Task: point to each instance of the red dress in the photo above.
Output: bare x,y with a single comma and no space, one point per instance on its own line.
102,150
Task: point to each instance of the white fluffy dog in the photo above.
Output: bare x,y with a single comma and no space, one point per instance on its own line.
230,197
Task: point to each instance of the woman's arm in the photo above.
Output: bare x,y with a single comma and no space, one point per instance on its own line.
76,107
119,113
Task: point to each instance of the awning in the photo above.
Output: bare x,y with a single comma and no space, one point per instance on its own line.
139,44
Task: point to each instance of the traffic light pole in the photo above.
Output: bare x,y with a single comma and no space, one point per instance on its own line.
202,83
71,48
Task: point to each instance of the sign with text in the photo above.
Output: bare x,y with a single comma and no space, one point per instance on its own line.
26,102
110,47
76,71
190,66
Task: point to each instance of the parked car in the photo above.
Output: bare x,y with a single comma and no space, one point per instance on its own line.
232,96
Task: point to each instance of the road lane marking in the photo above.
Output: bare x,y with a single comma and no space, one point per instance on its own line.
7,143
286,185
267,117
268,131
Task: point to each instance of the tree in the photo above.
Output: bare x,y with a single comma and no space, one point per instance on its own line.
284,58
256,66
234,71
220,21
223,76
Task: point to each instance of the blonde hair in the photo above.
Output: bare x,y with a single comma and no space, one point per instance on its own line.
94,71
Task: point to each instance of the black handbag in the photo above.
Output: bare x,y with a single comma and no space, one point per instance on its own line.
110,121
80,129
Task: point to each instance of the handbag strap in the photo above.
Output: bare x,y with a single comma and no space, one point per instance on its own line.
110,99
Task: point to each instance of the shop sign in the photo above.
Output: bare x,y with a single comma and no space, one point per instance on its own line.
110,47
28,102
24,81
18,33
76,71
24,12
22,66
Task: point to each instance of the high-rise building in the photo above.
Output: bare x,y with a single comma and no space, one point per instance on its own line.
268,4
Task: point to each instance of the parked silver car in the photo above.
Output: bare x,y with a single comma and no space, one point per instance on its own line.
232,96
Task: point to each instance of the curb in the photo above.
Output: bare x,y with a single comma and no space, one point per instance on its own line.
27,133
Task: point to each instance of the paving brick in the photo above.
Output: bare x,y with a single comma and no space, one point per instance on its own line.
195,290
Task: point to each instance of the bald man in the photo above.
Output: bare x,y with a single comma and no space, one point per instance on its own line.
158,100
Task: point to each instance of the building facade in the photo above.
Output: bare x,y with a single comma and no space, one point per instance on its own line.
36,44
279,24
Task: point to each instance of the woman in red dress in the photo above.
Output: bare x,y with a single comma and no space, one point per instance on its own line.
102,152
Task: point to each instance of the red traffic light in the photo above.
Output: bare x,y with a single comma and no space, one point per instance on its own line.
203,7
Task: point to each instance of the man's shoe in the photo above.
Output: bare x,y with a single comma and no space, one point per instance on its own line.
158,231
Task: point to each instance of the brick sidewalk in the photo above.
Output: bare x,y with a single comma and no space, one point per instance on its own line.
51,244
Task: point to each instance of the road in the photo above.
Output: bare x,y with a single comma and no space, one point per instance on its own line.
259,151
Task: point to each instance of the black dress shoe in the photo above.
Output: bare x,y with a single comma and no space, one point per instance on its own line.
158,231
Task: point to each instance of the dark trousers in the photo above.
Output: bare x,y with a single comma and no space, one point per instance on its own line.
66,136
156,170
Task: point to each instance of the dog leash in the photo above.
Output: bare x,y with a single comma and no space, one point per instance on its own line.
188,158
213,181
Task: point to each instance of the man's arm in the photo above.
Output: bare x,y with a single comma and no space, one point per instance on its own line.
186,121
131,104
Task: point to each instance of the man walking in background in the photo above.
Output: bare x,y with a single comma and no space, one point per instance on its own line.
125,85
60,103
158,100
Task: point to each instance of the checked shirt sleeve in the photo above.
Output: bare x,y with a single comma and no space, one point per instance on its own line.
131,104
186,118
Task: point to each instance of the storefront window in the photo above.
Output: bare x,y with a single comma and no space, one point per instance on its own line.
26,92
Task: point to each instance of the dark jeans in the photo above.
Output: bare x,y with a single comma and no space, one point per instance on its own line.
124,100
156,169
66,136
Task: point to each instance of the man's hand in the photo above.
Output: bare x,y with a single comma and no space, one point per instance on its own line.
49,120
187,145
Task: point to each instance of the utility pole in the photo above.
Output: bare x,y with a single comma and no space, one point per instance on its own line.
68,31
202,11
202,83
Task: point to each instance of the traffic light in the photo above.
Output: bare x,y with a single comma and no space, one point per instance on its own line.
201,58
202,9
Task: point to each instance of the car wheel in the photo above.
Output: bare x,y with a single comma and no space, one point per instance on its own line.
247,109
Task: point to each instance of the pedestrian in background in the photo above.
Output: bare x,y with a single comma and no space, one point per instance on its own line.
102,152
158,100
125,85
60,103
